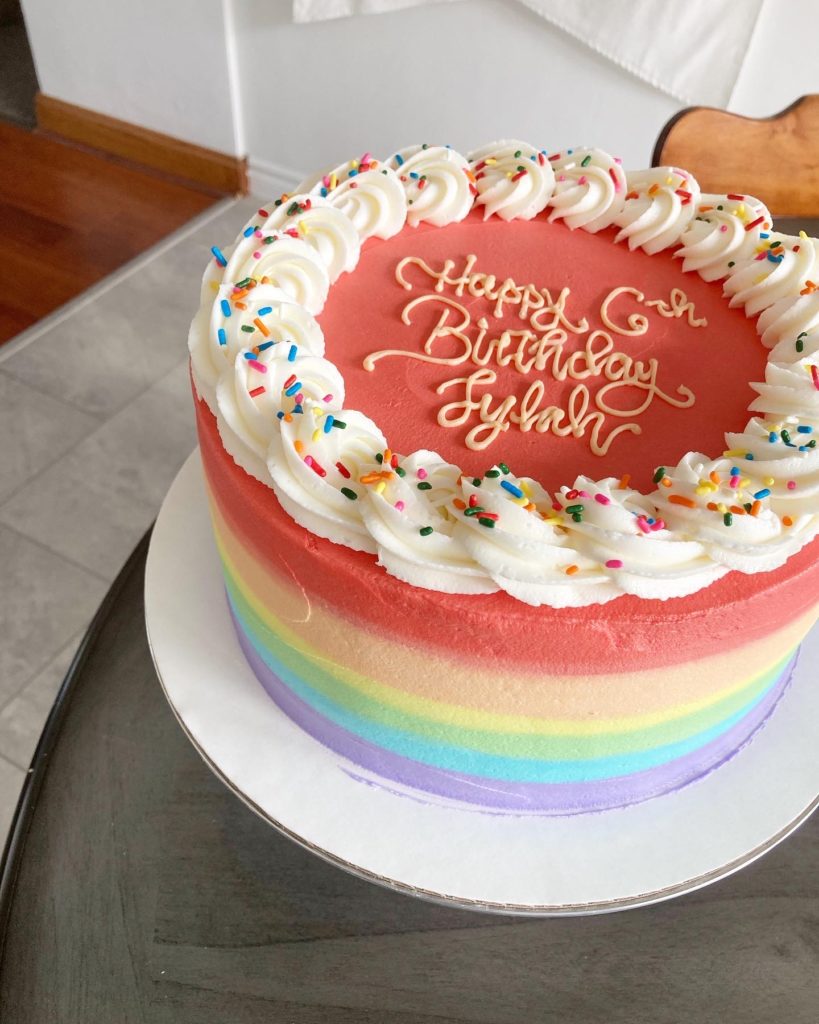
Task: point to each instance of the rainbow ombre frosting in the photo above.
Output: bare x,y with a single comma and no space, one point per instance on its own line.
502,638
484,699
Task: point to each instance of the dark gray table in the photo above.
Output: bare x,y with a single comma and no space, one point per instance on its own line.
138,888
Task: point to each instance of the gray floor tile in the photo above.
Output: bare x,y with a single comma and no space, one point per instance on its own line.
11,782
44,601
140,450
36,429
42,689
112,349
75,511
23,718
95,504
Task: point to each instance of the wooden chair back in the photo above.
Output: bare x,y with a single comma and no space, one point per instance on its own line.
774,158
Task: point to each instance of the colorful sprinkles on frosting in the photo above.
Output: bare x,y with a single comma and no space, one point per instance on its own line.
727,493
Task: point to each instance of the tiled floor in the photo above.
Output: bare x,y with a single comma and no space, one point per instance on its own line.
96,419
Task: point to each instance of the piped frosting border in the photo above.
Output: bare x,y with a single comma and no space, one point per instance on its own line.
257,354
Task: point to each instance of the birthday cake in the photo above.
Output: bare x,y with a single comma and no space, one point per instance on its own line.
512,467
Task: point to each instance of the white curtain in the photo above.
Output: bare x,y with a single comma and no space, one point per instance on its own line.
693,50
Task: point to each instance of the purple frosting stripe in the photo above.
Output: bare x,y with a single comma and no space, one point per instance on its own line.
522,797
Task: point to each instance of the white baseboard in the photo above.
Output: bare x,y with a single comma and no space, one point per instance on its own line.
269,180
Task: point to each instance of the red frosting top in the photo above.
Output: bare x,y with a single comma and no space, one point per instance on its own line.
715,362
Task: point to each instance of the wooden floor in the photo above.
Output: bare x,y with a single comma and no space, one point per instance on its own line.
69,217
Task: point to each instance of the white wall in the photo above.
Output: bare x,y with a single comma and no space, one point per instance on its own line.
237,76
162,64
463,73
781,64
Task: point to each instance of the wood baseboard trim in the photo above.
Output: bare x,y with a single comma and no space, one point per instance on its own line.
218,172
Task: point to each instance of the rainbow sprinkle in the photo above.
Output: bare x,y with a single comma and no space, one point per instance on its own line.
515,491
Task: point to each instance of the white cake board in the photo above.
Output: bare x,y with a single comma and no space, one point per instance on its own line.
585,864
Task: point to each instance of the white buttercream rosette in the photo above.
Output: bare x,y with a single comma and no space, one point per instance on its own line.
257,355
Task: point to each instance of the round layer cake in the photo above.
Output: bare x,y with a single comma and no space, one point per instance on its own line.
453,447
